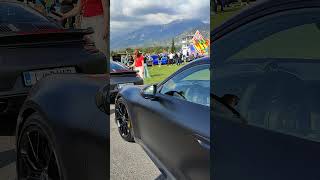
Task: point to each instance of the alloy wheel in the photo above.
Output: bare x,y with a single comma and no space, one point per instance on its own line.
122,119
36,159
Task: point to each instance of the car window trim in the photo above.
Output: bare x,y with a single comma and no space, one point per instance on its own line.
251,17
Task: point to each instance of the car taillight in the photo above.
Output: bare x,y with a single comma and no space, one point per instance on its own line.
89,45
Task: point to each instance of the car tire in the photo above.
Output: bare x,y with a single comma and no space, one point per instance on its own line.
161,177
34,134
123,121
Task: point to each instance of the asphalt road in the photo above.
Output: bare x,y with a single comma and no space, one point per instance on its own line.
128,160
7,149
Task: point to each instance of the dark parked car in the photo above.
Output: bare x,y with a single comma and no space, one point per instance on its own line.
171,121
63,129
122,76
33,46
266,84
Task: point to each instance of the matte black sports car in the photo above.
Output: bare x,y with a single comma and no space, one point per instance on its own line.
171,121
33,46
63,129
266,84
121,76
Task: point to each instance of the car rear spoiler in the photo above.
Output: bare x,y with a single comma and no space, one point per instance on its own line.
43,37
120,73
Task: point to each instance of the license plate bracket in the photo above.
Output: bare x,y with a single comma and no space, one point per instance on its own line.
32,77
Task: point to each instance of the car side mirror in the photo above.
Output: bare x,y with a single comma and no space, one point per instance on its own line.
150,92
103,99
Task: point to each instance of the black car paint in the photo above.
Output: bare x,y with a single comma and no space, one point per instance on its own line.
121,76
80,130
244,150
174,133
39,45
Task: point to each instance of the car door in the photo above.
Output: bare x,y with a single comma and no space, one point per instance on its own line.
265,119
176,128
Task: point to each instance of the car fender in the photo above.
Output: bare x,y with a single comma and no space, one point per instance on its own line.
80,129
130,95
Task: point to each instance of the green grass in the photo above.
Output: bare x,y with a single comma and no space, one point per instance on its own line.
159,73
220,17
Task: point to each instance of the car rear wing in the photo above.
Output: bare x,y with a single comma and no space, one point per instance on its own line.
120,73
48,36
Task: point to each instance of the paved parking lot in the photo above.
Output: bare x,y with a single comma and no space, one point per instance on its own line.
128,160
7,149
7,158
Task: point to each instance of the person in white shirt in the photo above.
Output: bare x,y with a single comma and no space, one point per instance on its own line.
171,55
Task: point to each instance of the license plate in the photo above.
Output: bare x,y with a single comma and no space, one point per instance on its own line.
32,77
124,84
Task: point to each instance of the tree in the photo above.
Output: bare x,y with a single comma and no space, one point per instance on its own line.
173,48
129,50
113,53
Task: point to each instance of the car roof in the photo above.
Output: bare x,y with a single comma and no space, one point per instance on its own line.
204,60
114,62
260,9
118,63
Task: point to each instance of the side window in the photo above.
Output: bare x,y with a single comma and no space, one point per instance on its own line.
238,90
192,85
270,72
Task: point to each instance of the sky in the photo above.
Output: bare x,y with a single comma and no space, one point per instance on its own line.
129,15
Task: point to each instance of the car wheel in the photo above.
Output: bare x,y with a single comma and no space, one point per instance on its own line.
123,120
36,155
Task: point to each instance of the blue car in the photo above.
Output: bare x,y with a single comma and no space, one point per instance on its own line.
155,59
164,59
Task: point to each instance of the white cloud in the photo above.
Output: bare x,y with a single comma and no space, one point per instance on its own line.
129,15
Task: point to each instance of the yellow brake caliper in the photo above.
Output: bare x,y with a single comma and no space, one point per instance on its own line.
129,123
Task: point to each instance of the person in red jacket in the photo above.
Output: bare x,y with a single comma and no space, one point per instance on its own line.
94,14
138,63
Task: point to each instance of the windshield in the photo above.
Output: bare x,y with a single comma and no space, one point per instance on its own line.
118,67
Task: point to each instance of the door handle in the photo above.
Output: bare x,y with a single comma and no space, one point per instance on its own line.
202,141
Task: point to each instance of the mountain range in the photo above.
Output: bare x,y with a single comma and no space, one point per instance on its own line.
156,35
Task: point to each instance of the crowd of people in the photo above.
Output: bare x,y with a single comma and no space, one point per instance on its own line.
139,61
179,57
79,14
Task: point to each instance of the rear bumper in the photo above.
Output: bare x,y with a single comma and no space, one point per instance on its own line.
11,104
